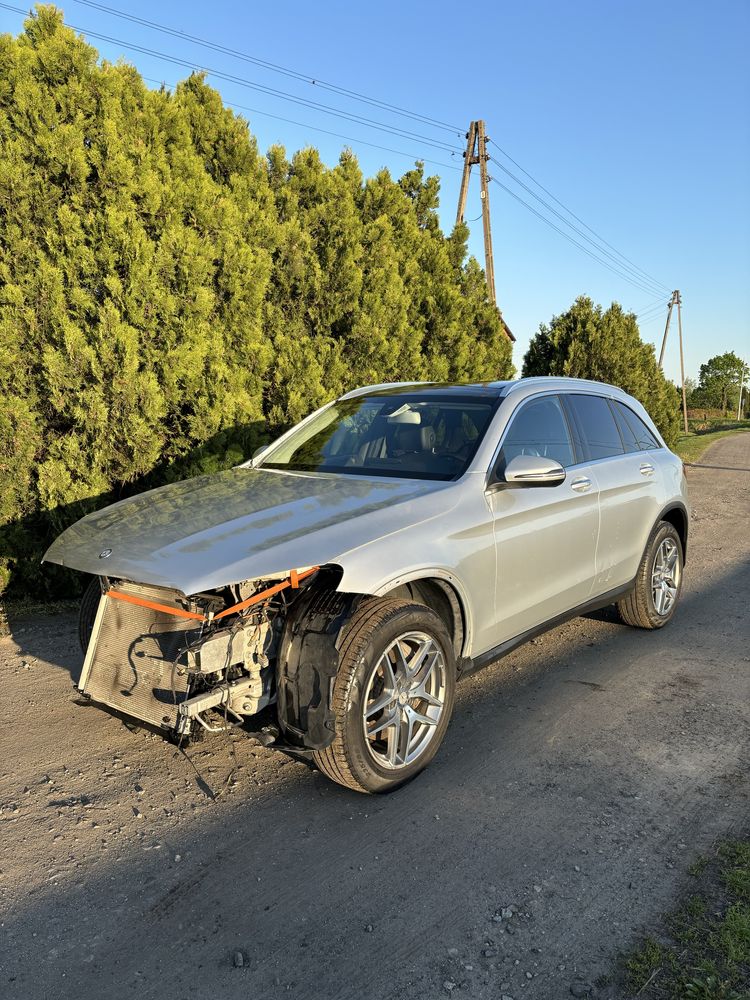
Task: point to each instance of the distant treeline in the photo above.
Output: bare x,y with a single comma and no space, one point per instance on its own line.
169,297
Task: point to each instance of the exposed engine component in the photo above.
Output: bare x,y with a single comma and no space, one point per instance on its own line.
245,650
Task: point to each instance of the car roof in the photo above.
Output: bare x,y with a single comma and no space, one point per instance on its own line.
490,389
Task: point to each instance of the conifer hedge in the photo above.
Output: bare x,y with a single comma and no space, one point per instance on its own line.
588,341
169,296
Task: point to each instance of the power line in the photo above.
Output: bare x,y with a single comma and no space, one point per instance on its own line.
628,270
628,264
570,239
649,305
650,320
575,229
655,311
315,128
252,85
659,284
274,67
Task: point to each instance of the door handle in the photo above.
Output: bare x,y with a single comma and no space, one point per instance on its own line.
581,485
647,469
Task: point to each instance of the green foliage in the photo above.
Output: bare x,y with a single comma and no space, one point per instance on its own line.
169,297
690,447
588,342
704,948
735,874
719,383
644,964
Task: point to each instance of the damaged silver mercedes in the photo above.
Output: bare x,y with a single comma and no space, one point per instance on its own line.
326,595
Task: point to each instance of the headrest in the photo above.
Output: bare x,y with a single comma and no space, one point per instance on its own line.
415,438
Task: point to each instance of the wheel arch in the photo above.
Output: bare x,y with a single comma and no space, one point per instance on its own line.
676,514
441,592
308,658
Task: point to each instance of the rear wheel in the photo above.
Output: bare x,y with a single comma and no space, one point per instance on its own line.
393,696
653,600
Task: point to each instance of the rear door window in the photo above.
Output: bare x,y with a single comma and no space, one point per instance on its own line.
539,427
596,423
626,431
643,436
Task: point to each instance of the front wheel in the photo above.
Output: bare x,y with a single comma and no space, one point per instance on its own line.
393,696
653,600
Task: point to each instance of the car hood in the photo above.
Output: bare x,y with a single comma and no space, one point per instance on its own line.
241,524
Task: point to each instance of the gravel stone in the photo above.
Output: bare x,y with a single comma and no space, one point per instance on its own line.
581,989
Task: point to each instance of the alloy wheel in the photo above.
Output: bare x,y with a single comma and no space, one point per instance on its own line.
665,577
404,700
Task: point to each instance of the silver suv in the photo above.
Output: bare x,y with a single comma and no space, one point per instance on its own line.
336,586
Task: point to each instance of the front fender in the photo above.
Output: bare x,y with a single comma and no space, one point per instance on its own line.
307,665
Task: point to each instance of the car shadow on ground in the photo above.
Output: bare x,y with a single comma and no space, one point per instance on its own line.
720,468
507,798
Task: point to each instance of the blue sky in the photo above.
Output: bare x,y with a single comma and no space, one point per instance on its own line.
635,115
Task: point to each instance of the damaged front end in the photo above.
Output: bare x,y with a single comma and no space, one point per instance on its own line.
211,661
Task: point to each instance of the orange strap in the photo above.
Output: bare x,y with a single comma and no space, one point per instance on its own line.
293,581
143,603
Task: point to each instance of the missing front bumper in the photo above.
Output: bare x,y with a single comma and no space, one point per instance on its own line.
131,660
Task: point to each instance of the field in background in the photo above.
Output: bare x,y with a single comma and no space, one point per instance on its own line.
691,446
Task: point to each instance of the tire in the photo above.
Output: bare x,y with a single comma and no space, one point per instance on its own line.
640,607
383,642
87,612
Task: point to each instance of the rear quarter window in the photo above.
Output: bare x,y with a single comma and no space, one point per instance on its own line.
597,428
640,432
627,433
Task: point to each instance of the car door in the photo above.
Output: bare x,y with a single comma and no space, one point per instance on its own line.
628,486
545,536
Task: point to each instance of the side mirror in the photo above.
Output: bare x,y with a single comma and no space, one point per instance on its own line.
530,470
259,451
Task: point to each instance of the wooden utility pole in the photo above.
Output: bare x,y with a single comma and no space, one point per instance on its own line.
469,159
682,361
676,300
743,373
666,328
476,152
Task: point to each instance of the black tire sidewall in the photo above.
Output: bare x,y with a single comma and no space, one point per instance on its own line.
663,530
365,768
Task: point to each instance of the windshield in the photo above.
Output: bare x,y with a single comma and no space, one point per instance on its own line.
401,435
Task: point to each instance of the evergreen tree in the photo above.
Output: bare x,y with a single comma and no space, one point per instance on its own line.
589,342
169,296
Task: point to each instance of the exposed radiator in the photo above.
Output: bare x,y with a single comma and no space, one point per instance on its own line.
128,664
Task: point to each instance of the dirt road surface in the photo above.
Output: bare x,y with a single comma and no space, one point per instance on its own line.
579,779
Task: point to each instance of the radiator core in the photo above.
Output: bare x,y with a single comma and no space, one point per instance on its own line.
129,662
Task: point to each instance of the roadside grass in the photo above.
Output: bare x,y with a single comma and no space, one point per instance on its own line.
702,952
691,446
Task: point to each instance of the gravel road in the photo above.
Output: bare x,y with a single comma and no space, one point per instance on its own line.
579,779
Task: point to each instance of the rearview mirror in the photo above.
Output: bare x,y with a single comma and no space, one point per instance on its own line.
259,451
530,470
